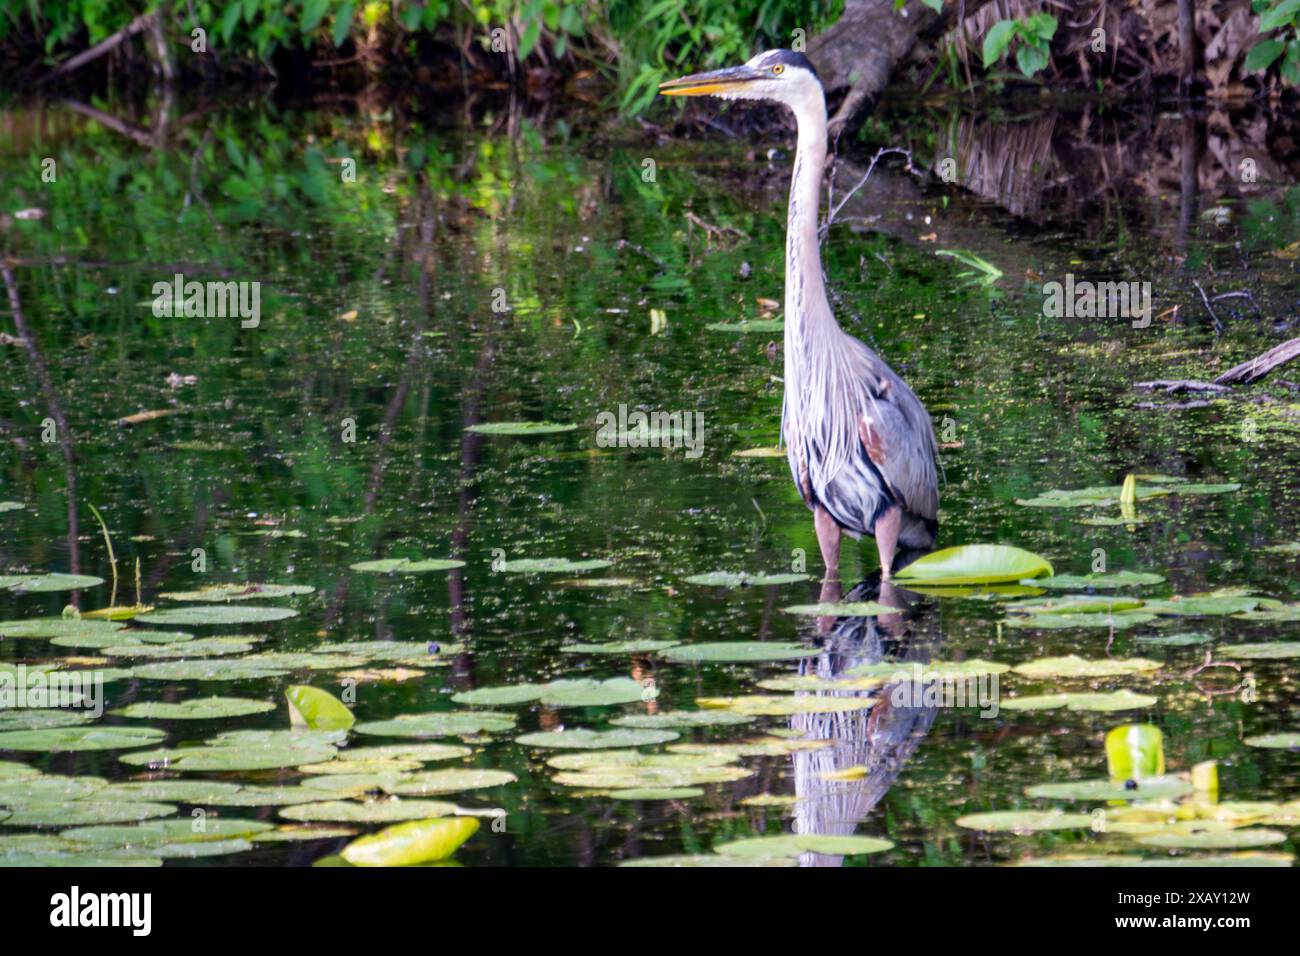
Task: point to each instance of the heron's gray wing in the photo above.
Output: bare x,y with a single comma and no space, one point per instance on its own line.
897,436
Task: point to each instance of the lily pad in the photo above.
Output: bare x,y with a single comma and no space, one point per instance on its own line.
652,793
11,506
1099,581
451,780
1099,703
438,724
619,647
1073,604
1025,821
743,579
166,832
1182,639
205,670
38,583
407,565
1209,606
79,812
1148,788
682,718
581,739
424,753
194,792
795,844
1214,839
234,755
694,860
239,592
748,325
1284,741
1271,650
1121,621
1075,666
373,811
841,609
739,651
974,564
759,705
520,428
201,708
552,565
58,627
63,739
408,843
201,614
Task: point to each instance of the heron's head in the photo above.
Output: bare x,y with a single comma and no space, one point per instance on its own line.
781,76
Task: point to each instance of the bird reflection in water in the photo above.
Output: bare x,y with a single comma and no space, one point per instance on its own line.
871,745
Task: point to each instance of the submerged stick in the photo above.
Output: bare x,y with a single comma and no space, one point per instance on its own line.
1261,365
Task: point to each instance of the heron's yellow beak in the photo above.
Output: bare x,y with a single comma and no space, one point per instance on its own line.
711,84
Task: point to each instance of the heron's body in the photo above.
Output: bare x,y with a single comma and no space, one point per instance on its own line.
860,443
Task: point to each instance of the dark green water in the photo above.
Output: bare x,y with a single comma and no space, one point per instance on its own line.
377,314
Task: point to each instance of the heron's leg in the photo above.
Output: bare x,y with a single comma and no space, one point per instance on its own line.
886,531
828,539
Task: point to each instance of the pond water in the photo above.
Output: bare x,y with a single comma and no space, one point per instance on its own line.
510,268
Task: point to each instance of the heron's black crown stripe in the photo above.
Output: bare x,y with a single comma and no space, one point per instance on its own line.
790,58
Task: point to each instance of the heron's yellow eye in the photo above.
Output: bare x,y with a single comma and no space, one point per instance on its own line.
778,69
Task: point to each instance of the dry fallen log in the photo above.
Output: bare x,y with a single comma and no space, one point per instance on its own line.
1261,365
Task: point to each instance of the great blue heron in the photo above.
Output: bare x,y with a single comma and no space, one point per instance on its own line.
860,443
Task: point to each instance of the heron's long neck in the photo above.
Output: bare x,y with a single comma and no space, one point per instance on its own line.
807,312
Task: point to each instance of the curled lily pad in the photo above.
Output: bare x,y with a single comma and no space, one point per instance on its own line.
407,843
841,609
1101,703
239,592
61,739
1075,666
795,844
407,565
682,718
1148,788
1025,821
318,709
438,724
552,565
520,428
759,705
1271,650
619,647
202,708
201,614
1120,621
743,579
1214,839
1099,581
36,583
372,811
581,739
739,651
1285,741
974,564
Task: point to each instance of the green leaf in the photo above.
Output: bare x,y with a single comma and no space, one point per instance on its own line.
342,23
1279,16
317,709
408,843
313,11
1262,55
996,41
795,844
1135,752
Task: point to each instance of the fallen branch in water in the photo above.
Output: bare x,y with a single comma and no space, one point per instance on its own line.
1261,365
1180,385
